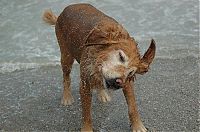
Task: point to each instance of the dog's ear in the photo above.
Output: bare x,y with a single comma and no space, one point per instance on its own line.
98,37
147,59
150,53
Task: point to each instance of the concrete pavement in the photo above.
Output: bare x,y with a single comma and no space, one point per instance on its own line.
167,98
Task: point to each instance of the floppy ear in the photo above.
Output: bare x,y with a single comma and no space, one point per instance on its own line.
150,53
147,59
98,37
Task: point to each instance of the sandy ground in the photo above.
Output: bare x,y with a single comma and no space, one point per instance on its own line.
167,98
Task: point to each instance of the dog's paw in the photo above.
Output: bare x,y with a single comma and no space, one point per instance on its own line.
67,100
86,130
139,128
103,96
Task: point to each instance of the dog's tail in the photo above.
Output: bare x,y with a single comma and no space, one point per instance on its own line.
49,17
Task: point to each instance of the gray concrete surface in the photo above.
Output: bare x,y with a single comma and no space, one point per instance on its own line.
167,98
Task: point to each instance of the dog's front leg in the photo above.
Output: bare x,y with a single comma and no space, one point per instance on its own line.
86,99
136,123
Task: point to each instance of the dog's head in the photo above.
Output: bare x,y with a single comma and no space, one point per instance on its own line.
120,62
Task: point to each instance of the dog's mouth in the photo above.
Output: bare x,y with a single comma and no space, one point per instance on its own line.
112,84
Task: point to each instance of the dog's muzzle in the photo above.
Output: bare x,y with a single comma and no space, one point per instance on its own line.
114,84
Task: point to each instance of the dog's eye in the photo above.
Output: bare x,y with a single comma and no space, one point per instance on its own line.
121,57
131,73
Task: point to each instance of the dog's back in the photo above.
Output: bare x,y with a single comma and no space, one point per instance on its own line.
75,23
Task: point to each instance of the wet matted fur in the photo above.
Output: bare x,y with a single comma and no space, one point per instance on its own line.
108,57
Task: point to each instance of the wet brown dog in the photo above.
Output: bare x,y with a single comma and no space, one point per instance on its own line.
108,57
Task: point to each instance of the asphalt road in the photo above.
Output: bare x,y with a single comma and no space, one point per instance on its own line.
167,98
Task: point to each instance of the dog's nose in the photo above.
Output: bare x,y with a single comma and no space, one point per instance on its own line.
116,82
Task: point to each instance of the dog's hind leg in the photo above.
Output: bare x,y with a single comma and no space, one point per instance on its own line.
66,63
